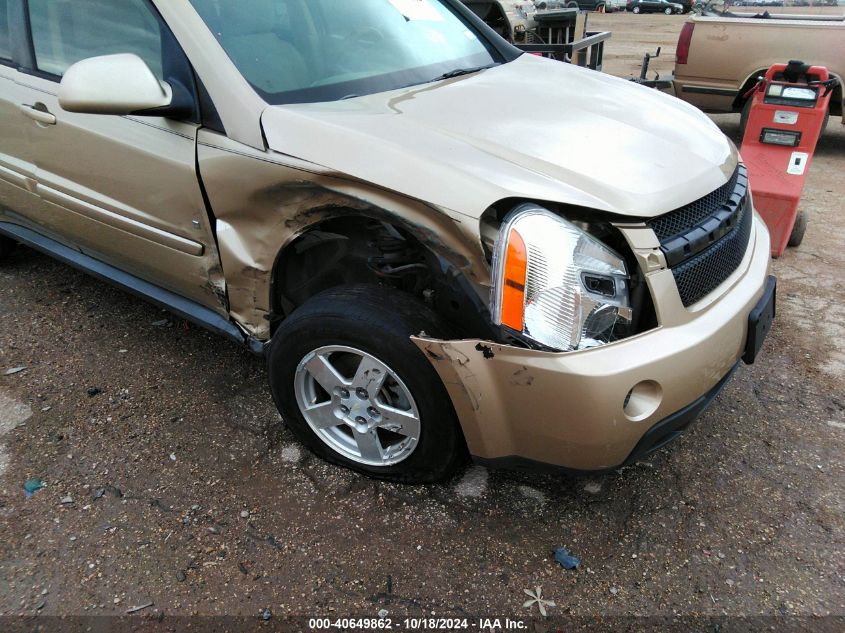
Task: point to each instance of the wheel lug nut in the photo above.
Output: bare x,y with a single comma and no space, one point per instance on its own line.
344,409
362,393
373,412
343,393
360,420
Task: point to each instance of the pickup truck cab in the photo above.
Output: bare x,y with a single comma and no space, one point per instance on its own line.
357,192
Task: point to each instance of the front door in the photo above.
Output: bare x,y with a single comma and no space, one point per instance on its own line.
122,188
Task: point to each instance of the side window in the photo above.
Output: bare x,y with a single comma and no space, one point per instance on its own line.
5,38
67,31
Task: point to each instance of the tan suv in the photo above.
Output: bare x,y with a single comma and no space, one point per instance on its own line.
444,247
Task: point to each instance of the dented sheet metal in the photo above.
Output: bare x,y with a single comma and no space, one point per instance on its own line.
262,201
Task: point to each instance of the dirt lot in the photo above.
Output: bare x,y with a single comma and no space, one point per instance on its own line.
634,36
171,480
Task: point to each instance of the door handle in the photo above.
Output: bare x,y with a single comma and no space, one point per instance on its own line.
39,112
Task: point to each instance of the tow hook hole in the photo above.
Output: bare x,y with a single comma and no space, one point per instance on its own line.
642,400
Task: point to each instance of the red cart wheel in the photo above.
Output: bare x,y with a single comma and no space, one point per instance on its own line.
798,230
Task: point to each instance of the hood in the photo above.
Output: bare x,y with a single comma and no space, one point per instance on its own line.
533,128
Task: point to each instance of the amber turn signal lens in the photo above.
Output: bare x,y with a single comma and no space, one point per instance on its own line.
513,289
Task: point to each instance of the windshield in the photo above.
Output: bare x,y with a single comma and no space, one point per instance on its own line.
300,51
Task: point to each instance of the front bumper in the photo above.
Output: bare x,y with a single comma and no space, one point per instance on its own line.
575,410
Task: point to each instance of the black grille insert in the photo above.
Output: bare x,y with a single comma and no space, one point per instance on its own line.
699,276
705,241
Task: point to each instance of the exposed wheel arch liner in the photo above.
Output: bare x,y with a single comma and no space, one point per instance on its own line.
343,243
284,197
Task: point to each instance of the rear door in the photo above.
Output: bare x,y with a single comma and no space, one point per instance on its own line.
124,189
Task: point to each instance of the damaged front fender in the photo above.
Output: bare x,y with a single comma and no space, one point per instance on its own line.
263,201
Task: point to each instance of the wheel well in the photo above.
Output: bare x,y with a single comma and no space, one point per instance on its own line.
353,249
740,99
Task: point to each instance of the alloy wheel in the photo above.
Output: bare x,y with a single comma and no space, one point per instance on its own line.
357,405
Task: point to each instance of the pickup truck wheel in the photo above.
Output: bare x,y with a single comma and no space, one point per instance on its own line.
355,389
635,10
6,247
797,235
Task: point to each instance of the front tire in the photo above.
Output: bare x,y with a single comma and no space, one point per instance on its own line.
635,10
354,388
667,11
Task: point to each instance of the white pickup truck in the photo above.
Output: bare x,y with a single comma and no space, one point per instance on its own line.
719,57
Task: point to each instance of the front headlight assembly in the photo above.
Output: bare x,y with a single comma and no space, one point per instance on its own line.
556,285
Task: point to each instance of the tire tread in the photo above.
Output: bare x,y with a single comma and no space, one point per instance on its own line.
356,312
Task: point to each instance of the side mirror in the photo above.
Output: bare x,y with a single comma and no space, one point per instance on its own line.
118,84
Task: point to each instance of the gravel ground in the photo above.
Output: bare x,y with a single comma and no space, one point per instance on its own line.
171,480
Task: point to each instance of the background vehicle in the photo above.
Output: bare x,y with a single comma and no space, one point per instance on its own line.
687,5
720,57
601,6
759,3
512,19
654,6
545,28
588,5
516,20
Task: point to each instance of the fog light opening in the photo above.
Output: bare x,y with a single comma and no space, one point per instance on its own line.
642,400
